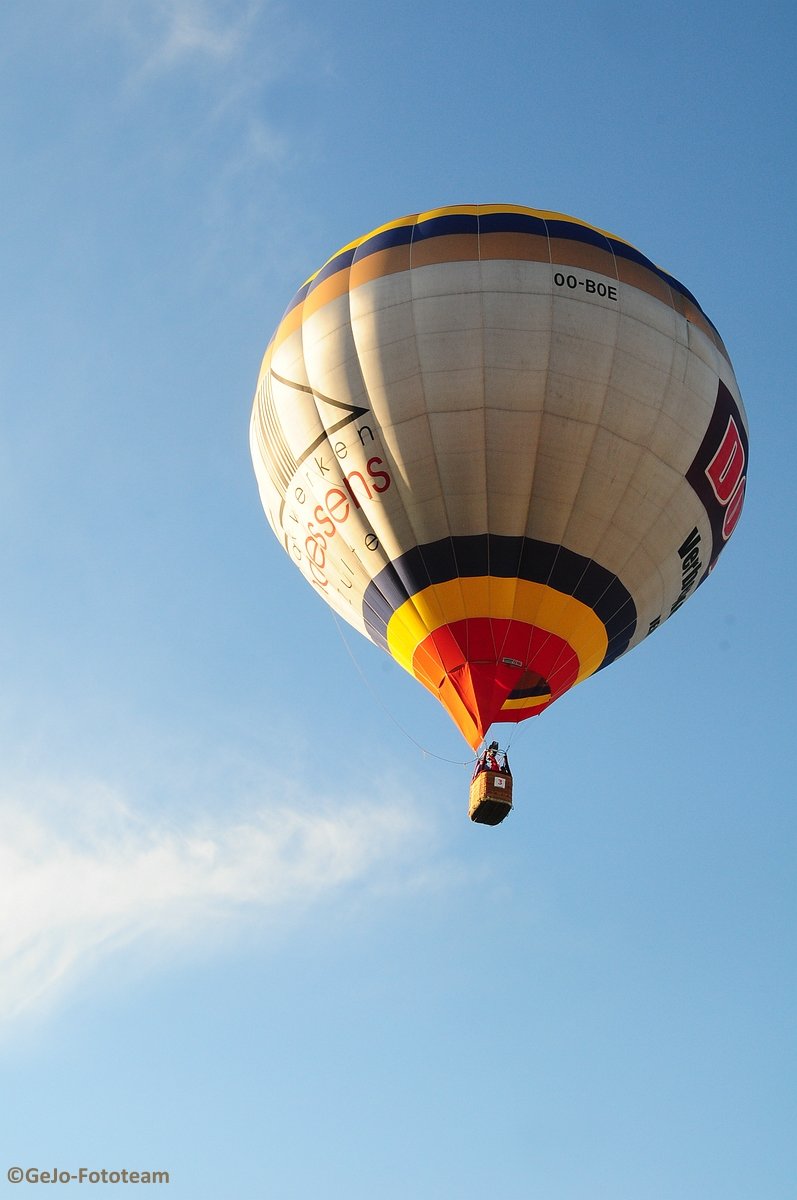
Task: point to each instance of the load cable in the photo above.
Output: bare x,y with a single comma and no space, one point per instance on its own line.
424,750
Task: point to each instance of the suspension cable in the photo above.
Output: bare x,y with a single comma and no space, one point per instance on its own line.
423,749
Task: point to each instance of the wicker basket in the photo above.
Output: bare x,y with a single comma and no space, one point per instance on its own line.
490,797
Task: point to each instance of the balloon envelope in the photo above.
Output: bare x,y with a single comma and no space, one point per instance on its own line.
503,445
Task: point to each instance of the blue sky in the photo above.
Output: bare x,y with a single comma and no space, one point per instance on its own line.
247,933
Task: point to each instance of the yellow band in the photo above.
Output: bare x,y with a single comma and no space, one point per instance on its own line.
500,599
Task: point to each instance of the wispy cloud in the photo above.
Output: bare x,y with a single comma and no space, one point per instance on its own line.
173,33
82,873
191,29
233,49
218,67
221,99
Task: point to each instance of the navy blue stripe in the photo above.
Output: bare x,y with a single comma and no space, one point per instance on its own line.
679,287
623,250
577,233
341,262
444,226
297,299
493,222
507,558
511,222
529,693
386,239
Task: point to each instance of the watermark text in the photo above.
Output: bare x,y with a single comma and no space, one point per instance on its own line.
83,1175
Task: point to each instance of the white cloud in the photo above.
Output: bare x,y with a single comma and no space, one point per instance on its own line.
191,28
168,33
82,873
222,60
211,89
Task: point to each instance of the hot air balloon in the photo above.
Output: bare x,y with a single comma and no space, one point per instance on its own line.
503,445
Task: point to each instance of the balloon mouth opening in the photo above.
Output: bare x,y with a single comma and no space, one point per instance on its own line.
478,695
530,684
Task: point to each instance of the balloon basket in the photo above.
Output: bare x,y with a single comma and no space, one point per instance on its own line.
490,797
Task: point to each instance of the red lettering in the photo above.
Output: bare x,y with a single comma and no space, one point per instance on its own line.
316,550
324,520
734,510
727,466
378,475
347,483
337,504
